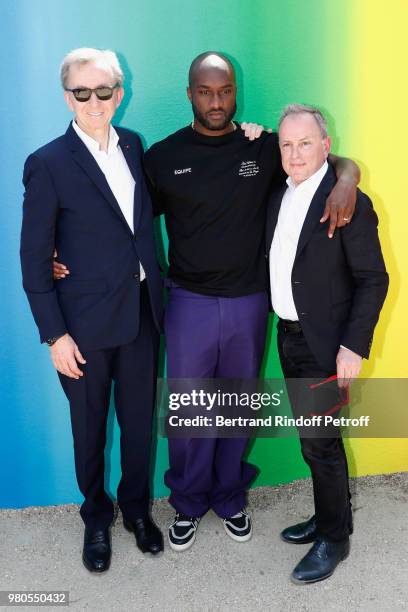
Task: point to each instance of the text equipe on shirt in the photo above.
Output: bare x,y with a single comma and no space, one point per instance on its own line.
183,171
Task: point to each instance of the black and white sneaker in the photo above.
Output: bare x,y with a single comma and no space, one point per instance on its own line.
239,526
182,532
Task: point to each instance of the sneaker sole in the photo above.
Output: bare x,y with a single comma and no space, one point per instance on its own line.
236,538
182,547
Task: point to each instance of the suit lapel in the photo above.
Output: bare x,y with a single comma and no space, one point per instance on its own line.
87,162
316,208
129,152
272,215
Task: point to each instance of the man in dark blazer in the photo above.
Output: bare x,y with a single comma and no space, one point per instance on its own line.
85,196
328,294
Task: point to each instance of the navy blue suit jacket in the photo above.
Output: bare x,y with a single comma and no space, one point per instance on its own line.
338,284
69,206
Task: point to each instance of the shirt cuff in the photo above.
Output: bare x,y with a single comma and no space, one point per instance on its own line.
347,349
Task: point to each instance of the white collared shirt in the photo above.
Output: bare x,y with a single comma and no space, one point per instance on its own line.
114,166
292,214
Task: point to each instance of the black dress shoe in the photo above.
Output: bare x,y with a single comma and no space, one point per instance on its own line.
320,562
148,537
96,554
302,533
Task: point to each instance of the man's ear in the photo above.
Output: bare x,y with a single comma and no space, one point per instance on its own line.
119,96
189,94
68,100
327,146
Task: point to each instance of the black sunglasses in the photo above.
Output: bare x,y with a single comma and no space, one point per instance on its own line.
83,94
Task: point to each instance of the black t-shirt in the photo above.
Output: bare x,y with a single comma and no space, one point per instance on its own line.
213,192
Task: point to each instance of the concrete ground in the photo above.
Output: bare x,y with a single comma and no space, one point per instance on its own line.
40,549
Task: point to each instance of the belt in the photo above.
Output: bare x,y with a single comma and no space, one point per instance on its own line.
292,327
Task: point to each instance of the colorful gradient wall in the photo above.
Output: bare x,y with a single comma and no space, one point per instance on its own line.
347,57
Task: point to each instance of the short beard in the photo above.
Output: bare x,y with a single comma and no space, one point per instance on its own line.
207,123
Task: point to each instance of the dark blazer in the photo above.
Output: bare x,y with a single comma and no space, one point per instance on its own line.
69,206
339,284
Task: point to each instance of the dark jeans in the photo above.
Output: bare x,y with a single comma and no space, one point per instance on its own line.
324,455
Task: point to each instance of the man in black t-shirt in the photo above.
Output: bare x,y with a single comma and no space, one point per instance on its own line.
211,183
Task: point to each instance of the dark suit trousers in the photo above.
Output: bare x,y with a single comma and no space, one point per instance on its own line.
133,368
324,455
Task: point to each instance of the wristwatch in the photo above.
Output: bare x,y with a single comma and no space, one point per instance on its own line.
52,341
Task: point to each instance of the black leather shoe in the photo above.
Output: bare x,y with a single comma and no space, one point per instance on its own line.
96,554
320,562
148,537
302,533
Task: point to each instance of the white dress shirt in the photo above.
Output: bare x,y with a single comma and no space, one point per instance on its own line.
292,214
119,178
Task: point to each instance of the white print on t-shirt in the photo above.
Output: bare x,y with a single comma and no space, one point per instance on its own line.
248,168
182,171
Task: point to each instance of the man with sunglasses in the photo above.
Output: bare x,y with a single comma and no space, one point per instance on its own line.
328,295
85,196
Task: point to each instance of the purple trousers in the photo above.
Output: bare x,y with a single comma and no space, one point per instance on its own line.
212,337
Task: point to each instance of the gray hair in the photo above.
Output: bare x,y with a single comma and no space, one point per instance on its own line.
300,109
103,58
